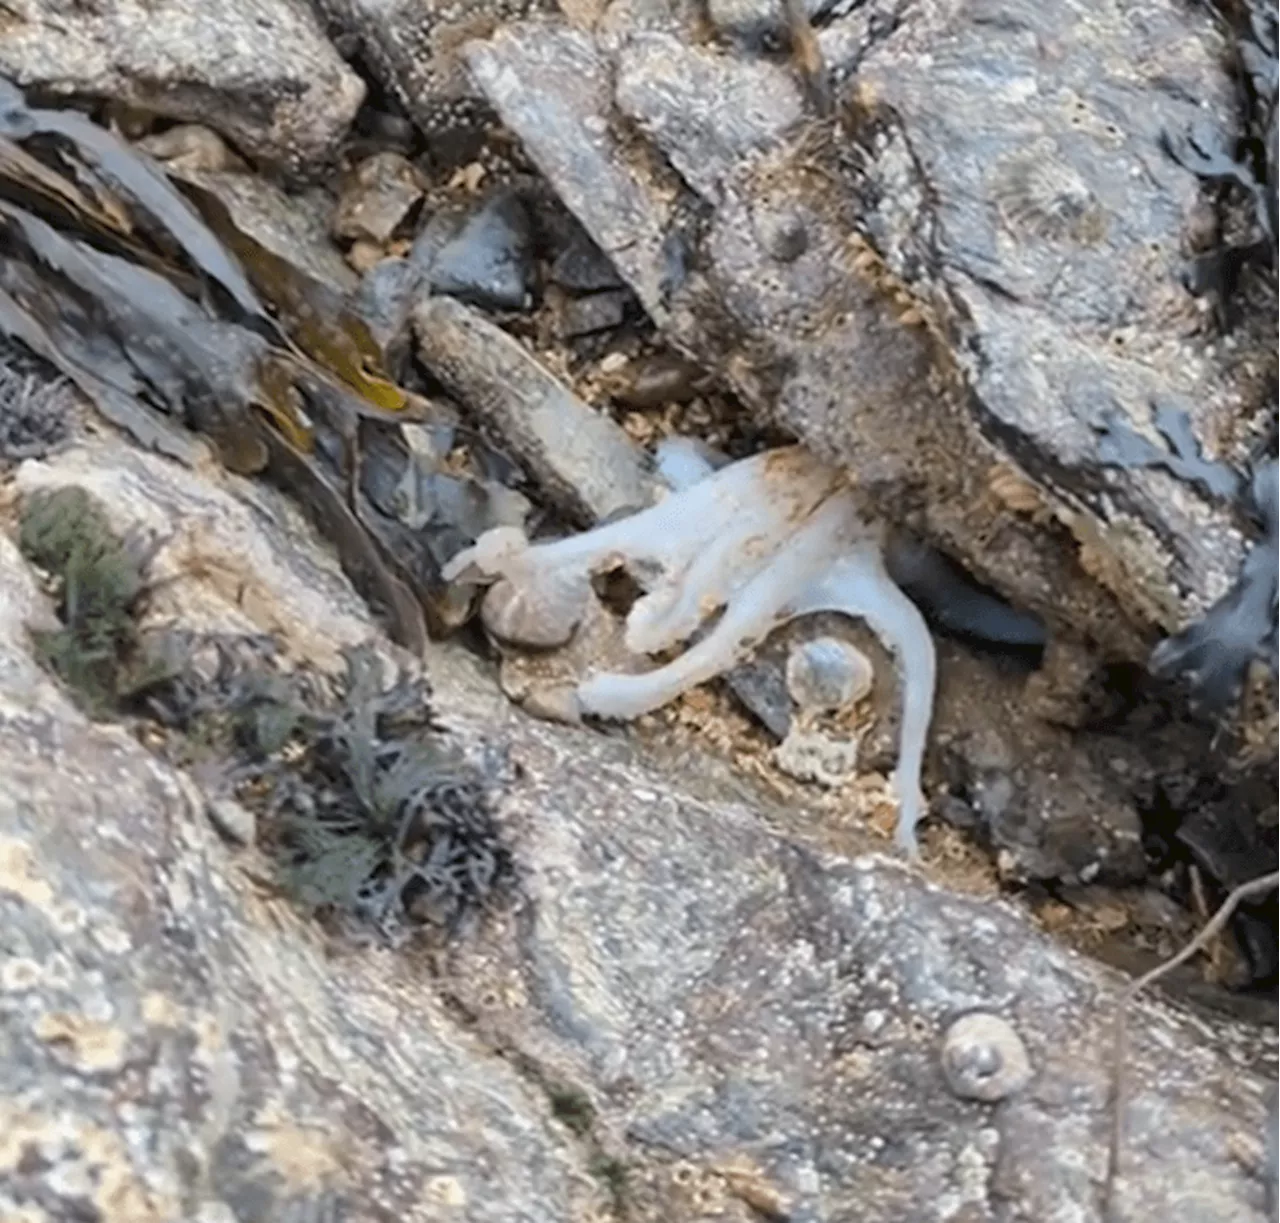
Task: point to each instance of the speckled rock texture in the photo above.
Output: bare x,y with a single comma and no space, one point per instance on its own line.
690,1015
946,285
260,72
412,49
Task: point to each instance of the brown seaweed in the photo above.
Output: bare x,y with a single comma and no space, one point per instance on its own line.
155,201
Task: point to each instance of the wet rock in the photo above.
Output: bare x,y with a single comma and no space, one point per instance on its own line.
489,261
579,456
412,49
377,198
636,1031
948,292
595,312
259,72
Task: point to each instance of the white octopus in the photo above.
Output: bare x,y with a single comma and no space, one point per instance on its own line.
763,540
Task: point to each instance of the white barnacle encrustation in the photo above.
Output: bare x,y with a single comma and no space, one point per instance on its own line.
761,541
983,1058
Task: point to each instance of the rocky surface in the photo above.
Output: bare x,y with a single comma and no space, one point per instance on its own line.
946,288
412,48
695,1011
259,72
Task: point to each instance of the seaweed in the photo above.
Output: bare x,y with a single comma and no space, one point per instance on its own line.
35,406
1120,446
1250,165
368,809
1215,652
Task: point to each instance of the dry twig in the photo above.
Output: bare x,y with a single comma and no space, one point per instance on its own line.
1246,891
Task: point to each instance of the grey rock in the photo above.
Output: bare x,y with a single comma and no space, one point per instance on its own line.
988,262
595,312
412,49
752,20
580,457
260,72
697,1008
489,262
581,267
619,202
708,113
384,301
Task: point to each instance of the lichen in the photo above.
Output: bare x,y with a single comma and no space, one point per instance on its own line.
761,541
98,582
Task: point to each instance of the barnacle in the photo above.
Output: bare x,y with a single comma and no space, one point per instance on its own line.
760,541
983,1058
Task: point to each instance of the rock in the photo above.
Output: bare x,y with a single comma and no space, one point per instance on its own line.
411,47
190,148
489,261
578,455
384,301
236,823
377,198
595,312
581,267
259,72
903,329
752,20
692,1012
661,379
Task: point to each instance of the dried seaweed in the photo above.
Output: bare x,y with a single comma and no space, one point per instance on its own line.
35,406
369,809
169,317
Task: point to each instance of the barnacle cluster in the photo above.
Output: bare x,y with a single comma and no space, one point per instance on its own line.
752,545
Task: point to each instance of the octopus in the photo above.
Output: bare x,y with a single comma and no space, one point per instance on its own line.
725,558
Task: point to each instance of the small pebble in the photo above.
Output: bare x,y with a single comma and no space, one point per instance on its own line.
233,822
582,267
377,198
